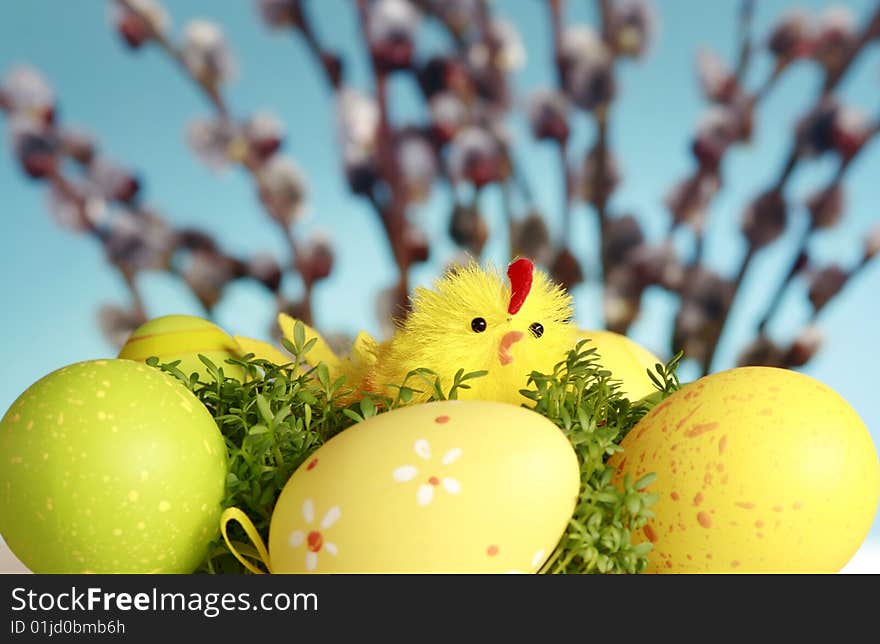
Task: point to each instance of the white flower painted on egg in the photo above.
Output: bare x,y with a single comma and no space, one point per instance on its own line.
430,483
312,539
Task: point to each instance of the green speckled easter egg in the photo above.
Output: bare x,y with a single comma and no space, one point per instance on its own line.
110,466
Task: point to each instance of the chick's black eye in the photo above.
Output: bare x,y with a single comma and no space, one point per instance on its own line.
537,329
478,325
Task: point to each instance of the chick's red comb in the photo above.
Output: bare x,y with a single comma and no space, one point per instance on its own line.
519,272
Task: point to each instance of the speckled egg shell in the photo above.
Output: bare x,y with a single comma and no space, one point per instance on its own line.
110,466
758,470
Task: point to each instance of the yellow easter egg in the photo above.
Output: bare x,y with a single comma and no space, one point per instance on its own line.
625,359
184,337
758,470
443,487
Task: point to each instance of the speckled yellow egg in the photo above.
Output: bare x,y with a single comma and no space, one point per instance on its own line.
184,337
758,470
627,361
453,486
110,466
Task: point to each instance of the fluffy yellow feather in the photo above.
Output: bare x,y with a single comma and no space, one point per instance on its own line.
472,320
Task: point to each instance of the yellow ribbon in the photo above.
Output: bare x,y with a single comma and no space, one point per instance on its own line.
262,554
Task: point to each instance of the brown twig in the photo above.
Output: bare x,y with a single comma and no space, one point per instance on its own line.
795,358
769,83
330,62
832,79
599,192
743,59
507,212
517,177
70,191
392,213
137,299
73,193
332,75
755,99
429,8
566,194
746,15
555,7
797,264
212,92
603,117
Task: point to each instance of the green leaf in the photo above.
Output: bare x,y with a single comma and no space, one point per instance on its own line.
281,416
299,335
642,549
265,409
356,417
368,408
645,481
308,397
291,348
323,375
633,503
308,346
606,497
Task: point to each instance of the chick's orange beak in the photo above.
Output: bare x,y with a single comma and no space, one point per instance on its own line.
507,341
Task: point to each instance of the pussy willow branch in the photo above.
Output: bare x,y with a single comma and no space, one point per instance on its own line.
73,193
322,56
215,98
867,34
797,265
746,16
494,50
744,57
603,117
210,92
832,79
860,266
507,212
392,213
789,358
69,190
754,99
555,9
428,7
517,178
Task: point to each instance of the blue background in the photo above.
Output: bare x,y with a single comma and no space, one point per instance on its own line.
138,104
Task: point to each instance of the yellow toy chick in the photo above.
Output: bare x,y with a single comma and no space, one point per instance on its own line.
471,320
